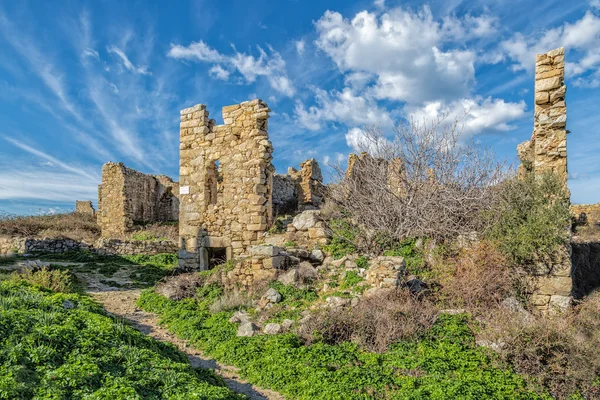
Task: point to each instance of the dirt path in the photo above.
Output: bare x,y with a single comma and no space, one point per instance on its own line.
122,304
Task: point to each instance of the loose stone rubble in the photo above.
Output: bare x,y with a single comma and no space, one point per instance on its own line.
128,198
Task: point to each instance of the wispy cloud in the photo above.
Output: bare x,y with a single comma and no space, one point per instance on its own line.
141,69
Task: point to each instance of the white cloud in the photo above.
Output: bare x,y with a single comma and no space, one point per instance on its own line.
595,4
379,4
219,72
272,66
582,36
142,69
410,53
300,46
91,53
346,107
54,161
476,115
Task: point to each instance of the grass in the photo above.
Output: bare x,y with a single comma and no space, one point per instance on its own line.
49,351
80,227
443,364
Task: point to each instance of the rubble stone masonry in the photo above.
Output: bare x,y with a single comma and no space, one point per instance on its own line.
226,179
551,282
127,198
85,207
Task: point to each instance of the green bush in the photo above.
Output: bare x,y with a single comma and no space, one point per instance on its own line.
444,364
52,279
52,351
531,220
343,240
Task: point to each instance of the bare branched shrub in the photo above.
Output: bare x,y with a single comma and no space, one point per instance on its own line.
477,276
376,322
182,286
561,352
423,182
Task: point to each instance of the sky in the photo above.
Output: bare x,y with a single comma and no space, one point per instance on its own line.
87,82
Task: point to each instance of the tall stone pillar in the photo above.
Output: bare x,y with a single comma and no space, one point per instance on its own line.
547,152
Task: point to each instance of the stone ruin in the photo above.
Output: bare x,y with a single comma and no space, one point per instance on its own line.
128,199
575,270
299,190
85,207
586,214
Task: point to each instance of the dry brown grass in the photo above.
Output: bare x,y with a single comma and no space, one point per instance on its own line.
588,233
80,227
562,352
477,276
376,322
231,301
179,287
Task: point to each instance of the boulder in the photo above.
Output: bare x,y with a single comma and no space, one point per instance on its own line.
287,324
307,273
289,278
239,316
335,301
68,305
247,329
306,220
264,250
272,329
272,295
317,256
415,285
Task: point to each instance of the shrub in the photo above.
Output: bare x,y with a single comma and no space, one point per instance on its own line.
344,236
76,226
375,323
476,276
531,218
49,351
562,353
234,300
52,279
157,231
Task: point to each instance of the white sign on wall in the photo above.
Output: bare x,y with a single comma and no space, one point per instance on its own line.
184,190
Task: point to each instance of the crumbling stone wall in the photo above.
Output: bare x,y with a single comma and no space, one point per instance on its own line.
226,179
85,207
551,282
588,212
127,198
299,190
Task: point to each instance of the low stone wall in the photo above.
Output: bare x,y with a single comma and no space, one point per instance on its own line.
19,245
591,211
308,229
116,246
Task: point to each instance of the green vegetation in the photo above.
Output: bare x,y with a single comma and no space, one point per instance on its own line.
63,346
51,279
293,302
444,364
532,220
290,243
350,280
344,236
146,236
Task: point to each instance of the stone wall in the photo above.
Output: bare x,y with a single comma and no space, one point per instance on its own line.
591,211
85,207
299,190
226,179
550,279
127,198
20,245
116,246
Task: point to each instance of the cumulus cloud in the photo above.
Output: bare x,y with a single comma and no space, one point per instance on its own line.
476,115
581,36
271,66
414,57
346,107
141,69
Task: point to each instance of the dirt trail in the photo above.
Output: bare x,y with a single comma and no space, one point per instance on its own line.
122,304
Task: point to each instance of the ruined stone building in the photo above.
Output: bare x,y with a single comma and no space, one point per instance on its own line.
299,189
128,198
85,207
226,179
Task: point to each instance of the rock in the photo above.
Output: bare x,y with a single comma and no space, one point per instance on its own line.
287,324
272,329
247,329
415,285
239,316
290,277
496,346
306,220
68,305
264,250
317,256
340,262
335,301
515,306
273,296
306,272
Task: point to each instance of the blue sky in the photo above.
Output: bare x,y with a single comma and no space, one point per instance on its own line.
86,82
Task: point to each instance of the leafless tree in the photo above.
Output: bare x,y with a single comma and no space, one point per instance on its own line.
422,182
